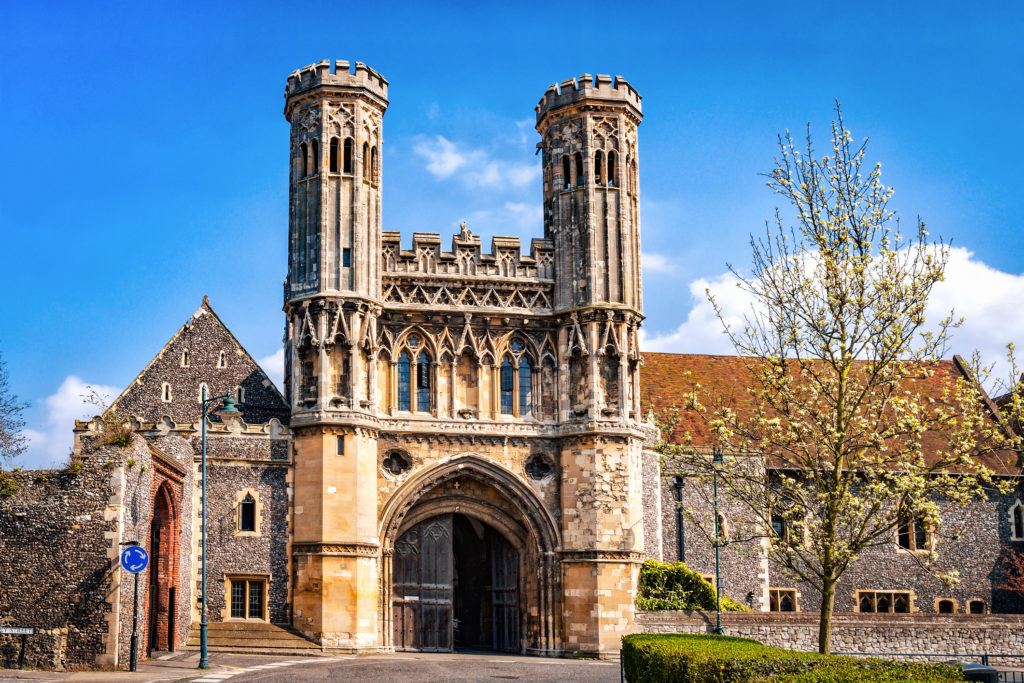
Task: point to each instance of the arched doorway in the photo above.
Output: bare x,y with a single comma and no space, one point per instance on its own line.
469,559
162,592
456,584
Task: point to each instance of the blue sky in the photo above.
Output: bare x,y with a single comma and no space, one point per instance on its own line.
145,152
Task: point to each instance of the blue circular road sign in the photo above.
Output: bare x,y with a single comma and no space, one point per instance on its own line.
134,558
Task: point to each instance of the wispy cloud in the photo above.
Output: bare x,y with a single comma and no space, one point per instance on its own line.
987,298
473,166
51,437
273,365
656,263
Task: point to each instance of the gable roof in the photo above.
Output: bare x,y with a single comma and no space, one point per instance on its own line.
666,379
206,339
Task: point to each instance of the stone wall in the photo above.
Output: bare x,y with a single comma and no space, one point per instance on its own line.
55,574
859,633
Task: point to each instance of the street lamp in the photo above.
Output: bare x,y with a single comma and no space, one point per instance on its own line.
228,409
717,459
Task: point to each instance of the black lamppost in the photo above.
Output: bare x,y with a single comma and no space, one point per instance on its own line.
228,409
680,482
717,459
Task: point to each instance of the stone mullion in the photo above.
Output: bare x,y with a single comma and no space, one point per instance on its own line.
435,403
355,370
451,388
562,402
495,390
623,371
593,331
393,386
323,365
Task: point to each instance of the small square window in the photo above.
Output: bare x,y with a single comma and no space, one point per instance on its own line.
782,599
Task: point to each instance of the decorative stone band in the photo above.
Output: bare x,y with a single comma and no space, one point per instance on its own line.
626,556
337,549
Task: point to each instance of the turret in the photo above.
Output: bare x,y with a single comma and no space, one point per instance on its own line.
588,128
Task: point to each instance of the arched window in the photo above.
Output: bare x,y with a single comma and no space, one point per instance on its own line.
315,149
976,606
373,164
598,158
404,382
186,359
579,169
366,161
525,388
240,394
347,160
566,177
1017,521
946,607
165,394
303,160
612,180
423,384
508,383
222,360
247,513
334,155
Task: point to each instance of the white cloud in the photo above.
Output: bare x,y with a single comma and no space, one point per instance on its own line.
273,365
51,436
527,216
474,167
987,298
656,263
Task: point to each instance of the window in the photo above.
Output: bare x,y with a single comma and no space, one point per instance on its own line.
247,598
1017,521
946,607
366,161
165,394
579,169
222,360
315,149
883,601
912,533
346,258
247,513
782,599
611,168
334,155
373,164
508,375
525,388
240,394
566,177
598,157
186,359
976,606
341,445
303,160
404,382
780,528
347,156
423,376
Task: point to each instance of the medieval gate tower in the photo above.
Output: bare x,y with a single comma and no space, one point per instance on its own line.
467,434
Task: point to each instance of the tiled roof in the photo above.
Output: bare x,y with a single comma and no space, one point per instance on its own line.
667,378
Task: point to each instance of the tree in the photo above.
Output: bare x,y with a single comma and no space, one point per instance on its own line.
851,431
12,442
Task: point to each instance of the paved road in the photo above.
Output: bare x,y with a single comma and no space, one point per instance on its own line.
414,667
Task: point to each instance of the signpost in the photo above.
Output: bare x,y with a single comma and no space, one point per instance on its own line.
134,559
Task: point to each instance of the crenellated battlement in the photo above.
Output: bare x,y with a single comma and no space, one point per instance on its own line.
323,74
601,87
467,257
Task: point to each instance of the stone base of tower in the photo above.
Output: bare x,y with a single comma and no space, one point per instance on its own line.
337,599
598,605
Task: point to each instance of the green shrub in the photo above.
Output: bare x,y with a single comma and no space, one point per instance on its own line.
721,659
673,585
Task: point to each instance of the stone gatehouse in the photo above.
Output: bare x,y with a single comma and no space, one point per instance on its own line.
459,456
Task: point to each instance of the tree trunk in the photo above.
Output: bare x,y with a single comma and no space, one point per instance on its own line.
828,599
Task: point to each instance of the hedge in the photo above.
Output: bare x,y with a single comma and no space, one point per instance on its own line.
673,585
683,658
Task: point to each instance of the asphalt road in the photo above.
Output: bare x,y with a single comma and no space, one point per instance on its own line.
416,667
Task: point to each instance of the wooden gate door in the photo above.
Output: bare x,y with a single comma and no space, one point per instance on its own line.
422,587
505,594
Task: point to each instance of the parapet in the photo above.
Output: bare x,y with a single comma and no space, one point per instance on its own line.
601,87
322,73
466,257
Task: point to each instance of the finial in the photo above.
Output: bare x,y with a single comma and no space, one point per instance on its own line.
206,300
464,232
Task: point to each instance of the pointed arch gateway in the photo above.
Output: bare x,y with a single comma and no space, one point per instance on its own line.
469,558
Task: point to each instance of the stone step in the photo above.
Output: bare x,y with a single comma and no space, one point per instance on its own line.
251,638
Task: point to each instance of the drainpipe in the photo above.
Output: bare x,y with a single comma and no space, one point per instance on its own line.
680,482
